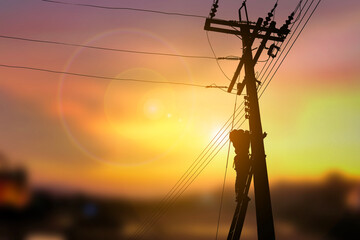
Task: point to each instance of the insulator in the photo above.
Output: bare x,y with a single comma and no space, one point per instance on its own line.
246,98
290,18
247,109
285,28
214,10
268,18
270,15
247,116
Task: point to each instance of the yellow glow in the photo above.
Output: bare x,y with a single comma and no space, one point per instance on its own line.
153,109
147,135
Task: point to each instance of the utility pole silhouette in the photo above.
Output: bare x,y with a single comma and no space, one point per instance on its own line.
249,32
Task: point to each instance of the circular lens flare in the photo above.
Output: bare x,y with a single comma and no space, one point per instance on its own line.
153,109
136,123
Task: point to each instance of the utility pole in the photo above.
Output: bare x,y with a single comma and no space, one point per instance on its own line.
249,32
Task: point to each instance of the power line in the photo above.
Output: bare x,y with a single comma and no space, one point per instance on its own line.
101,77
216,58
186,186
175,192
123,79
286,45
291,46
194,166
126,8
287,42
111,49
193,176
190,180
292,25
298,7
205,165
155,217
225,174
138,80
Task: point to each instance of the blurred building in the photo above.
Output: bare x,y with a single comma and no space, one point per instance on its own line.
41,215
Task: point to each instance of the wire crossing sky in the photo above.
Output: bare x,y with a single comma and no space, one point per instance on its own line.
108,49
138,133
126,9
102,77
105,98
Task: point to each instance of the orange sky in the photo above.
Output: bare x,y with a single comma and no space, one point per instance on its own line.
132,139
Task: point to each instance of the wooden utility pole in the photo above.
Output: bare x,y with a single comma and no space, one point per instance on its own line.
264,215
249,32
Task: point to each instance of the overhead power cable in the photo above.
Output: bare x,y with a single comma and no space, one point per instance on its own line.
280,58
114,49
225,174
191,173
291,46
189,181
215,57
102,77
199,170
194,167
207,159
292,25
126,8
266,65
146,228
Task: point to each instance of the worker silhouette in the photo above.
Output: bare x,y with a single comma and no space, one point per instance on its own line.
242,162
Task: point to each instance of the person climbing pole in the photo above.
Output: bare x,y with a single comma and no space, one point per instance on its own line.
242,162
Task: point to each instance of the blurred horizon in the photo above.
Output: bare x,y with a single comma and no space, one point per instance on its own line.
328,209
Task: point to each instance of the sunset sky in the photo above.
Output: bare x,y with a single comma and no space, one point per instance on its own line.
137,139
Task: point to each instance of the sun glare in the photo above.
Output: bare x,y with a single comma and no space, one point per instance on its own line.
153,109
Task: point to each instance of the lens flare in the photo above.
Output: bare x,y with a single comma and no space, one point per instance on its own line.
123,123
